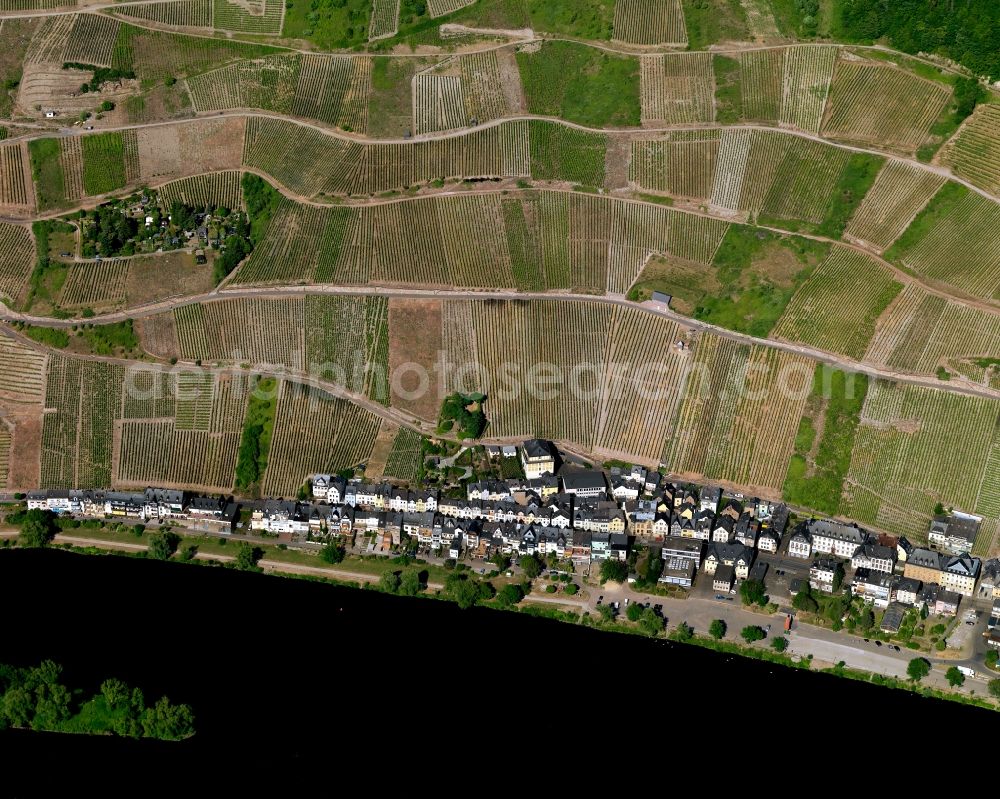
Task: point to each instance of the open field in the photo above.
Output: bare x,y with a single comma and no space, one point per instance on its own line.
898,194
921,332
315,433
916,447
974,153
818,314
649,22
733,430
878,103
677,88
936,243
532,240
17,259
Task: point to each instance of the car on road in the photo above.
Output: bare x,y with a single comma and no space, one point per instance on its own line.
868,640
878,643
719,596
600,599
894,648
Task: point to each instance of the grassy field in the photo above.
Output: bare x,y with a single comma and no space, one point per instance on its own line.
712,21
581,84
46,169
753,276
825,440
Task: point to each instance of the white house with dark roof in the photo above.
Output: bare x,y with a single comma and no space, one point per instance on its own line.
836,538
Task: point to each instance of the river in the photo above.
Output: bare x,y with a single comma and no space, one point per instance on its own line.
290,667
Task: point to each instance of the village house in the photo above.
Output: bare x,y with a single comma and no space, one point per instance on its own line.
874,557
538,457
677,571
583,483
488,490
954,534
710,498
873,586
735,554
746,530
723,530
822,573
328,488
652,482
768,541
953,572
989,582
164,503
836,538
723,577
907,590
800,543
608,546
677,548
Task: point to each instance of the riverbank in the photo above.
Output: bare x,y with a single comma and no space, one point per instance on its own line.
367,574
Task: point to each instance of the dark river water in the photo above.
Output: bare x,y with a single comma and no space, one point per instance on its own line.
288,669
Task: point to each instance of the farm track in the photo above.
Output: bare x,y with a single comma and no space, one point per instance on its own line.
271,292
903,277
459,132
518,36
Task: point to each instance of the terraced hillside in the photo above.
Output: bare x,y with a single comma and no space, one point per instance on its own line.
685,215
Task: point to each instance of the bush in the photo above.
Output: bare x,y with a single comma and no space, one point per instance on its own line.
717,629
571,589
550,589
752,633
779,644
332,553
918,668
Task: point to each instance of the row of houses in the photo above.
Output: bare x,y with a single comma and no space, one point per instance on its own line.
152,504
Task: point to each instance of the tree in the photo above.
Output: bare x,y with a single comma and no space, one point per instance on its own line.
918,668
465,594
389,582
571,589
683,632
614,571
804,601
510,595
37,529
163,545
717,629
19,706
992,657
116,693
500,560
247,556
867,619
410,584
607,613
531,566
838,577
634,612
923,611
751,633
954,677
650,623
333,552
994,688
752,593
166,721
779,644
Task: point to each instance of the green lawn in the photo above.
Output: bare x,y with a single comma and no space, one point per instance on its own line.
103,163
753,277
329,24
50,183
581,84
712,21
817,469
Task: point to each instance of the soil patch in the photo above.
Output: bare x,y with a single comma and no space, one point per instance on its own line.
415,338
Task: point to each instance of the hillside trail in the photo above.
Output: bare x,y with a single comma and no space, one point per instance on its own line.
955,386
